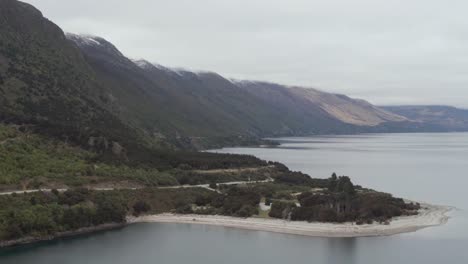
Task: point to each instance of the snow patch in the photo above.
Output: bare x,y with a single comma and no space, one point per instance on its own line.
179,71
84,39
142,64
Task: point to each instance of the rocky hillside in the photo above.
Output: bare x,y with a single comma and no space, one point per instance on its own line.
341,107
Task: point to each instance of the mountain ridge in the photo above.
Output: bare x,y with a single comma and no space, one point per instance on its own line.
82,89
202,87
385,115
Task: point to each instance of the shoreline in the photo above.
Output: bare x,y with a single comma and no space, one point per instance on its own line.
65,234
428,216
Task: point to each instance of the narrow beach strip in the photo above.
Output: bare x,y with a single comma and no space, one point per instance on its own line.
429,215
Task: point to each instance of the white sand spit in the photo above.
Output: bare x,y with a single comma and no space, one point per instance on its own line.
429,215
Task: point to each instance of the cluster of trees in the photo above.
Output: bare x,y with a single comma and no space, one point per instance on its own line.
41,214
140,207
233,201
373,206
239,201
281,209
362,208
285,176
341,184
342,202
165,159
46,213
208,161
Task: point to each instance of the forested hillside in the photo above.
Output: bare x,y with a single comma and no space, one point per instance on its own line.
176,101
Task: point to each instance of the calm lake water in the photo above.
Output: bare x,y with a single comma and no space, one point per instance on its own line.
423,167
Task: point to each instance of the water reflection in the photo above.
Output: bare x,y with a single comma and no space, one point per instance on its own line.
341,250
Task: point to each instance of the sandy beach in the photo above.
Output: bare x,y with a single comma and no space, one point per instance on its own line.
429,215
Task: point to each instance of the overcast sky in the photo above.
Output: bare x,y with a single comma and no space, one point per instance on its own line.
388,52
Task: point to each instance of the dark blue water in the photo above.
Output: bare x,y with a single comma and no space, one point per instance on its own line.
425,167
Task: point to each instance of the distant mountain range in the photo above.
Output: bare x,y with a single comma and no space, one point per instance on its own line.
442,118
83,89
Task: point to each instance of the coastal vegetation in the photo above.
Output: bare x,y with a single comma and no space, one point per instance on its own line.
342,202
29,160
47,213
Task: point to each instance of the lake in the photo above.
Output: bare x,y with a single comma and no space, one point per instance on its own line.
423,167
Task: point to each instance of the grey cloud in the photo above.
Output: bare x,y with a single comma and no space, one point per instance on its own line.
388,52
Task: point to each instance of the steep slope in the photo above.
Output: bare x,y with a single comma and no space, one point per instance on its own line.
45,82
61,107
158,101
183,104
441,118
348,110
245,113
193,107
83,89
345,109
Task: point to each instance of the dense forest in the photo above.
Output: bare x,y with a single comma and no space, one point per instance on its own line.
29,161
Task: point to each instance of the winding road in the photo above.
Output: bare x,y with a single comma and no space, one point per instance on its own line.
206,186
